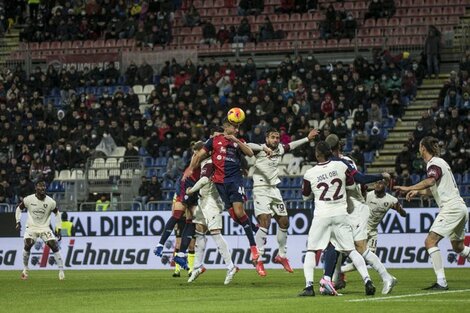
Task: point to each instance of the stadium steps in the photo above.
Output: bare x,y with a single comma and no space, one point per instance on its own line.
398,136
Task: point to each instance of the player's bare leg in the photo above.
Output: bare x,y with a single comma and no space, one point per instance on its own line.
283,226
53,244
28,244
261,236
244,221
431,242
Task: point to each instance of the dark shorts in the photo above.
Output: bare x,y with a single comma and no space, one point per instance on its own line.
181,196
231,192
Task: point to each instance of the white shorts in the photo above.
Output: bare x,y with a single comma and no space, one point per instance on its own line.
372,240
208,212
359,219
268,200
46,234
336,229
451,223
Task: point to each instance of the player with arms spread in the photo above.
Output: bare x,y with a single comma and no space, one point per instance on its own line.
39,207
326,182
226,151
453,215
267,197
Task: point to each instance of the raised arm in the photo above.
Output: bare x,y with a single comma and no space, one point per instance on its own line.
311,135
243,146
196,160
399,208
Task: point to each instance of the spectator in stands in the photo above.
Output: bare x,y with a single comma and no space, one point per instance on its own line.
376,140
287,7
360,118
175,166
358,156
452,100
375,10
243,32
328,106
223,35
208,33
154,190
395,105
192,17
312,6
350,26
131,151
403,160
143,191
404,178
388,8
409,85
266,30
102,204
432,50
25,188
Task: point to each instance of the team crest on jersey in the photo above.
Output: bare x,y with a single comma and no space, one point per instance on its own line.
45,205
386,204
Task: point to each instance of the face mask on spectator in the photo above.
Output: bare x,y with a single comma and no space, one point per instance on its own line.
441,115
462,150
68,148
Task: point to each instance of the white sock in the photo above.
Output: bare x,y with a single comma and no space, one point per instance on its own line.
26,259
436,260
199,248
58,259
349,267
282,241
373,260
223,250
338,269
309,266
260,239
360,265
465,253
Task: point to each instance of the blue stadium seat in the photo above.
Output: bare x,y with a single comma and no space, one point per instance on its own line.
148,161
80,90
90,89
415,178
150,172
297,182
55,92
458,178
466,178
368,157
285,182
168,184
136,206
143,152
161,161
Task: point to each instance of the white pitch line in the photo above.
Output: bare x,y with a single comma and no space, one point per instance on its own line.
409,295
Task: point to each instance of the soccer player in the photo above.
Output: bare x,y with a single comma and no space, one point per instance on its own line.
453,215
207,216
182,205
326,182
39,207
359,216
267,197
226,151
379,202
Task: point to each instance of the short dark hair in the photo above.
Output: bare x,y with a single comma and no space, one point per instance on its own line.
272,130
198,145
39,182
323,149
431,145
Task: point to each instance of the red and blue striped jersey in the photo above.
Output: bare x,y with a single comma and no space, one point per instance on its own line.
226,157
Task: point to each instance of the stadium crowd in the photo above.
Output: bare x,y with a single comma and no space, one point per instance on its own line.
352,100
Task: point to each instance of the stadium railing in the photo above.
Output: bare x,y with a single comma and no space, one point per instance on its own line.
113,206
6,208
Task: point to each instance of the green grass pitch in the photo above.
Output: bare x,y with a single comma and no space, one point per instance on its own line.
156,291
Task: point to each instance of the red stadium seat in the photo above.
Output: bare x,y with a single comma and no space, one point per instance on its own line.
44,46
393,22
344,43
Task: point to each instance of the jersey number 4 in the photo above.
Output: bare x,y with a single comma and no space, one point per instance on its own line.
335,182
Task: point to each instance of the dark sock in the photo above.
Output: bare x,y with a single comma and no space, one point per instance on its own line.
170,225
246,224
188,234
330,257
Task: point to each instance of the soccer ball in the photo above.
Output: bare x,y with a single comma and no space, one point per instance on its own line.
236,116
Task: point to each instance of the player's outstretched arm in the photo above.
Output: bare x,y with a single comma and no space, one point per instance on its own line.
243,146
310,137
196,160
367,179
422,185
18,216
258,148
198,185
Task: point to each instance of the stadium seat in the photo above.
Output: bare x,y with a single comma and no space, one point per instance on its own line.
118,152
305,168
64,175
458,178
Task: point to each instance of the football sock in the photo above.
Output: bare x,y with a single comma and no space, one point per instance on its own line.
465,253
260,238
330,256
309,267
191,260
282,241
360,264
223,249
234,217
436,260
59,261
339,262
246,224
200,247
187,235
373,260
26,258
170,225
349,267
